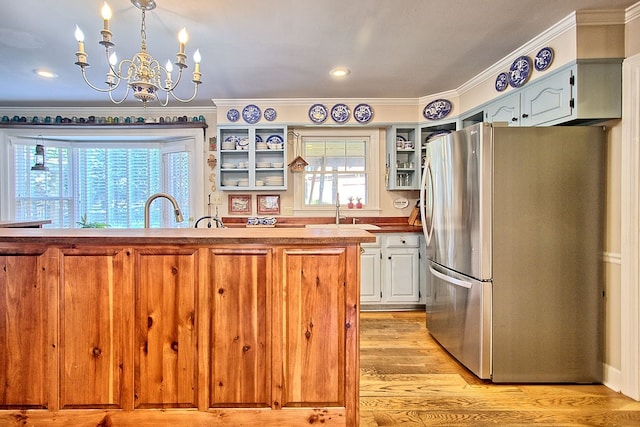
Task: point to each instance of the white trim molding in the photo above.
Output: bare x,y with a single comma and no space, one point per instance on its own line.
630,230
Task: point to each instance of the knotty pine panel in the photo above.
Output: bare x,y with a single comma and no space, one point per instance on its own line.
240,297
92,328
314,327
23,330
166,338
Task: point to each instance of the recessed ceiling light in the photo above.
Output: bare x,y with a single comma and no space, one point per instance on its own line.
45,73
340,72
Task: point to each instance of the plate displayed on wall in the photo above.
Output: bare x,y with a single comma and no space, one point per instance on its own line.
233,115
340,113
437,109
520,71
502,81
363,113
318,113
543,59
270,114
251,114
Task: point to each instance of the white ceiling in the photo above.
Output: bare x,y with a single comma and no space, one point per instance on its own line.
255,49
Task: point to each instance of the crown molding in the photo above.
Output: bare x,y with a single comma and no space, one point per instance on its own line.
632,13
445,95
308,101
600,17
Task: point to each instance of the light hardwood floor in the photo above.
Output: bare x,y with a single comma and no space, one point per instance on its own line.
408,379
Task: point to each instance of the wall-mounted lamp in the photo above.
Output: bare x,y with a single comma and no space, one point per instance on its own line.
40,159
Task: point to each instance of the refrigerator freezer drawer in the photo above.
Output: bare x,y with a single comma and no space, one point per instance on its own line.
459,318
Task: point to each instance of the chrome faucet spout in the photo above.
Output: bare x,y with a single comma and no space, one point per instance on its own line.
176,209
338,216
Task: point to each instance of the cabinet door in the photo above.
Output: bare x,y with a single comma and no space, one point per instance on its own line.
401,276
547,99
313,330
370,291
23,327
94,301
165,305
505,109
239,332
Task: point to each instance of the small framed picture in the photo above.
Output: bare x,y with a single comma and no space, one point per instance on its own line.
268,204
240,204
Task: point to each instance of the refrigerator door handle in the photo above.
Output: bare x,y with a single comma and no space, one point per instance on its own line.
425,223
452,280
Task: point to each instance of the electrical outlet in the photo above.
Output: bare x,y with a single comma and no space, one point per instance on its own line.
216,199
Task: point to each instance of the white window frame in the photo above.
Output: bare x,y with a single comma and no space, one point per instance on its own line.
372,135
191,139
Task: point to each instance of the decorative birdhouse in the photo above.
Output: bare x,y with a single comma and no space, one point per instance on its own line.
298,164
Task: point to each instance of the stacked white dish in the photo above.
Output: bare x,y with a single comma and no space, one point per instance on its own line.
243,182
274,181
230,182
259,183
261,146
229,145
262,165
277,165
227,165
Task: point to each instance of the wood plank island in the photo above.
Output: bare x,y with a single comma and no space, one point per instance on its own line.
195,327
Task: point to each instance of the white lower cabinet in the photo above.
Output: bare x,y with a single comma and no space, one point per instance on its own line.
390,277
370,262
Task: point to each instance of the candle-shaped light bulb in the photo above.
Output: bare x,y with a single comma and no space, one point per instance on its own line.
169,68
80,38
113,59
106,15
196,71
183,37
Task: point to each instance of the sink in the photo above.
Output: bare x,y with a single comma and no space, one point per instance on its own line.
359,226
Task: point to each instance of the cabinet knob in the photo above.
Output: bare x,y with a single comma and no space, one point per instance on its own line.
404,242
514,119
524,116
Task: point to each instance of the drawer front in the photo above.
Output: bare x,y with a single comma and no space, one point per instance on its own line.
403,241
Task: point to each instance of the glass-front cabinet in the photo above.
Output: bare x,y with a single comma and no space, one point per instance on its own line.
403,162
252,158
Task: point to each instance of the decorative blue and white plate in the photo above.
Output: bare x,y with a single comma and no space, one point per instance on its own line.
251,114
318,113
520,71
270,114
543,59
401,138
340,113
363,113
233,115
275,138
232,138
502,81
437,109
258,138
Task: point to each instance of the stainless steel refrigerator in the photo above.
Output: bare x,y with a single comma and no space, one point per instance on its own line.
513,219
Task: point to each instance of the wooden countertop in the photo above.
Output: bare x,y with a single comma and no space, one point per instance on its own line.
24,224
186,236
386,224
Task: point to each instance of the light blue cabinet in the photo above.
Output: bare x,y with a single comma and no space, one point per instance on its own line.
403,161
582,92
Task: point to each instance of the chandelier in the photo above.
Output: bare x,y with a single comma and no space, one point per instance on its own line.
143,75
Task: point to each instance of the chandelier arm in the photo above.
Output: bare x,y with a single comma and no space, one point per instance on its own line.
115,101
109,89
166,99
195,92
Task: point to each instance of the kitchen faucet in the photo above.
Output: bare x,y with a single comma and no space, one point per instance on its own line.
338,216
174,202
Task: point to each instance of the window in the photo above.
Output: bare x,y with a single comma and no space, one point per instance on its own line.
99,184
343,162
336,166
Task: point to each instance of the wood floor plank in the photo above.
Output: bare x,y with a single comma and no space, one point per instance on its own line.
408,379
